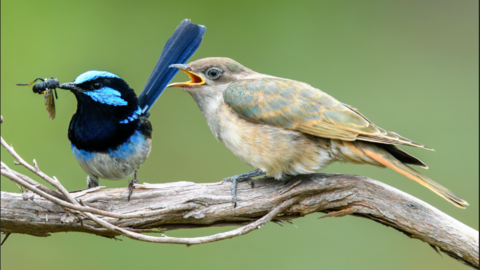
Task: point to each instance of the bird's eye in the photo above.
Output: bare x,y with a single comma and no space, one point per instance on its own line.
97,85
213,73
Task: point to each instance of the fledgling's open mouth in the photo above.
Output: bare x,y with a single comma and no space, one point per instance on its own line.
195,80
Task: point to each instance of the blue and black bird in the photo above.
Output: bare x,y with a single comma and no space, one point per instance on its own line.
110,133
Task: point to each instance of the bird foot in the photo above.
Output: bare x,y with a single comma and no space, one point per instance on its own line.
237,180
131,185
245,177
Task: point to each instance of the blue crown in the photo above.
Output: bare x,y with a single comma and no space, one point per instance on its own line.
92,75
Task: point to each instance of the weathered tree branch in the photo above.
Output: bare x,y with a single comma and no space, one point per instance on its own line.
40,211
189,205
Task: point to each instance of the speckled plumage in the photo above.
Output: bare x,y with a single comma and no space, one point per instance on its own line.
284,127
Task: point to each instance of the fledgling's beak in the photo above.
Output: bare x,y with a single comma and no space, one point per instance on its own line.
71,87
195,80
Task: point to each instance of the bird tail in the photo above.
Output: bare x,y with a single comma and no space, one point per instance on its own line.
179,48
385,158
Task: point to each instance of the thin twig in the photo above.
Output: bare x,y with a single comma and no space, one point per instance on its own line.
5,238
9,173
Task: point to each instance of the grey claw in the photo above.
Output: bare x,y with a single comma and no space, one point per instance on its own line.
131,187
234,192
246,177
228,179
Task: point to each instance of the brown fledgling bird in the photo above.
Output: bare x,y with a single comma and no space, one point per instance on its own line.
283,127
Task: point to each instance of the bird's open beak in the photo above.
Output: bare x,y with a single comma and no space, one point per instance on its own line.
195,80
71,87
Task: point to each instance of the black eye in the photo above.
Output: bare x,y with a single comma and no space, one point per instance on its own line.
213,73
97,85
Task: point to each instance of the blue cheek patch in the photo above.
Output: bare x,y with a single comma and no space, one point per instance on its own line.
134,116
129,148
82,155
107,95
92,75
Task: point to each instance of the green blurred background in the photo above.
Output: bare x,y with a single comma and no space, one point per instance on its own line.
410,66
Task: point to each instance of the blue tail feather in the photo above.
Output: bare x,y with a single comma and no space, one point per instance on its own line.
179,48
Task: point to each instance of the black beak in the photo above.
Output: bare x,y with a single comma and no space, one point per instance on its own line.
71,87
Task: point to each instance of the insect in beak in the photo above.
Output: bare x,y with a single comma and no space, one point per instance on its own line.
46,87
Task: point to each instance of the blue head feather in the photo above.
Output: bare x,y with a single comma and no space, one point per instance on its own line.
92,75
107,95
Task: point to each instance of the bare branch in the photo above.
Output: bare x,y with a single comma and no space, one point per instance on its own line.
161,207
188,205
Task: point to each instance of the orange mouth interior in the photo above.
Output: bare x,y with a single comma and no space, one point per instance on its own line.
195,80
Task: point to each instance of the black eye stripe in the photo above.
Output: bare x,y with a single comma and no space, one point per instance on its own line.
97,85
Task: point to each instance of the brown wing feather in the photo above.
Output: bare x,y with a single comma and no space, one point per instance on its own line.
298,106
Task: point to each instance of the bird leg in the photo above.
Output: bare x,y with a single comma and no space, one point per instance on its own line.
131,185
244,177
92,181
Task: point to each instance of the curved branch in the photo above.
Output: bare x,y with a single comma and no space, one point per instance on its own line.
189,205
157,208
